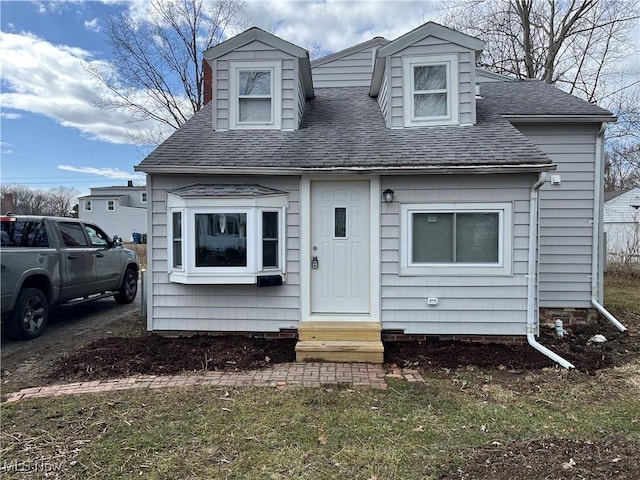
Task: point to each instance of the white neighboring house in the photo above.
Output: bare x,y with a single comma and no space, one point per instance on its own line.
120,211
622,225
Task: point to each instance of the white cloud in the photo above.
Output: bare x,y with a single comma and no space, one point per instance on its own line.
10,115
113,173
93,25
51,80
339,24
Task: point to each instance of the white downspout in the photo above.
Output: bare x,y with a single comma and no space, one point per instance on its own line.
595,243
532,311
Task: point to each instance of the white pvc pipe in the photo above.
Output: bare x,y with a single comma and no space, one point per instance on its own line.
595,242
532,311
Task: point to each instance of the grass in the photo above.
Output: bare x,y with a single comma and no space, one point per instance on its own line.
622,291
407,432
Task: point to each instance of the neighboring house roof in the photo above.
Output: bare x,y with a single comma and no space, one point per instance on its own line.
536,98
608,196
343,129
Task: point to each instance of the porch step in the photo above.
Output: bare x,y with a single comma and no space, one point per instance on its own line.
339,351
339,331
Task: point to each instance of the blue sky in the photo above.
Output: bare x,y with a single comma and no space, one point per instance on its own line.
51,132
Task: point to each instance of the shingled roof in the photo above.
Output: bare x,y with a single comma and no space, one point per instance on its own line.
343,129
534,97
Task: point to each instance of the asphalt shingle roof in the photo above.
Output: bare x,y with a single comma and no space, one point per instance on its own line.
198,190
343,128
534,97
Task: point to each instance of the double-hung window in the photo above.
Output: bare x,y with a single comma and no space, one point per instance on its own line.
87,206
111,205
431,90
221,238
255,90
456,239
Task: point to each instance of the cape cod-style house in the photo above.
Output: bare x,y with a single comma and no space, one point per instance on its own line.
389,190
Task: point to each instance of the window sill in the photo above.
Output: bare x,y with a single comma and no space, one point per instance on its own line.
456,270
221,279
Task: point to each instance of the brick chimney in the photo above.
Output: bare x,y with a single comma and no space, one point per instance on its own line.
208,81
8,203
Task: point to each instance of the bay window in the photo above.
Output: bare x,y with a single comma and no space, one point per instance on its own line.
222,240
456,239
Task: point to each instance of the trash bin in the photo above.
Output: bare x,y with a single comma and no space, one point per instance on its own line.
144,238
137,237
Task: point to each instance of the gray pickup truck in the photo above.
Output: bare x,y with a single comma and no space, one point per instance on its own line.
53,261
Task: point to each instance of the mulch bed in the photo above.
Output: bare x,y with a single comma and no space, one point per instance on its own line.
158,355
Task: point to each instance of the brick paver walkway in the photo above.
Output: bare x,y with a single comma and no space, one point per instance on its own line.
281,376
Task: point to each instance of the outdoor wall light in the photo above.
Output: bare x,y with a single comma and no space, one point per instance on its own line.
388,195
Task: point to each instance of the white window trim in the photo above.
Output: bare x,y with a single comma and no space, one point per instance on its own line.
87,206
253,207
505,245
111,202
453,100
276,94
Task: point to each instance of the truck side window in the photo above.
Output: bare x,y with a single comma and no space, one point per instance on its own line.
17,233
97,237
72,235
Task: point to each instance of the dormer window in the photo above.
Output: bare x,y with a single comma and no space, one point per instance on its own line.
256,95
431,90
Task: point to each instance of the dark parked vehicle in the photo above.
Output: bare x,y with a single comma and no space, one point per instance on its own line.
53,261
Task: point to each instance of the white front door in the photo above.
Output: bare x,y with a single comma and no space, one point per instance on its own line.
340,256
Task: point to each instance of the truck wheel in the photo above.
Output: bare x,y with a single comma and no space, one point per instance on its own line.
129,288
29,316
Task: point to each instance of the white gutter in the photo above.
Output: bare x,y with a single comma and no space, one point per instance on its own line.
595,243
532,311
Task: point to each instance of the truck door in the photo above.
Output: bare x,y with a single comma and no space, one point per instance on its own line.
108,260
78,262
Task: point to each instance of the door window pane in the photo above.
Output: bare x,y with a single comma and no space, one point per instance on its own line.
340,222
72,235
270,239
221,239
432,238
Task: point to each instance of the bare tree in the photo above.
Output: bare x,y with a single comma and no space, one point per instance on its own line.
157,70
582,46
56,201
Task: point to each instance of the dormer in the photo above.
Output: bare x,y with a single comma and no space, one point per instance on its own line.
258,82
426,78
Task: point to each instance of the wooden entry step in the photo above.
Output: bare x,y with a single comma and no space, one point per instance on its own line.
348,341
339,331
339,351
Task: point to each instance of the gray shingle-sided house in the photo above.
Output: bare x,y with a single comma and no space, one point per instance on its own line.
388,190
119,210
